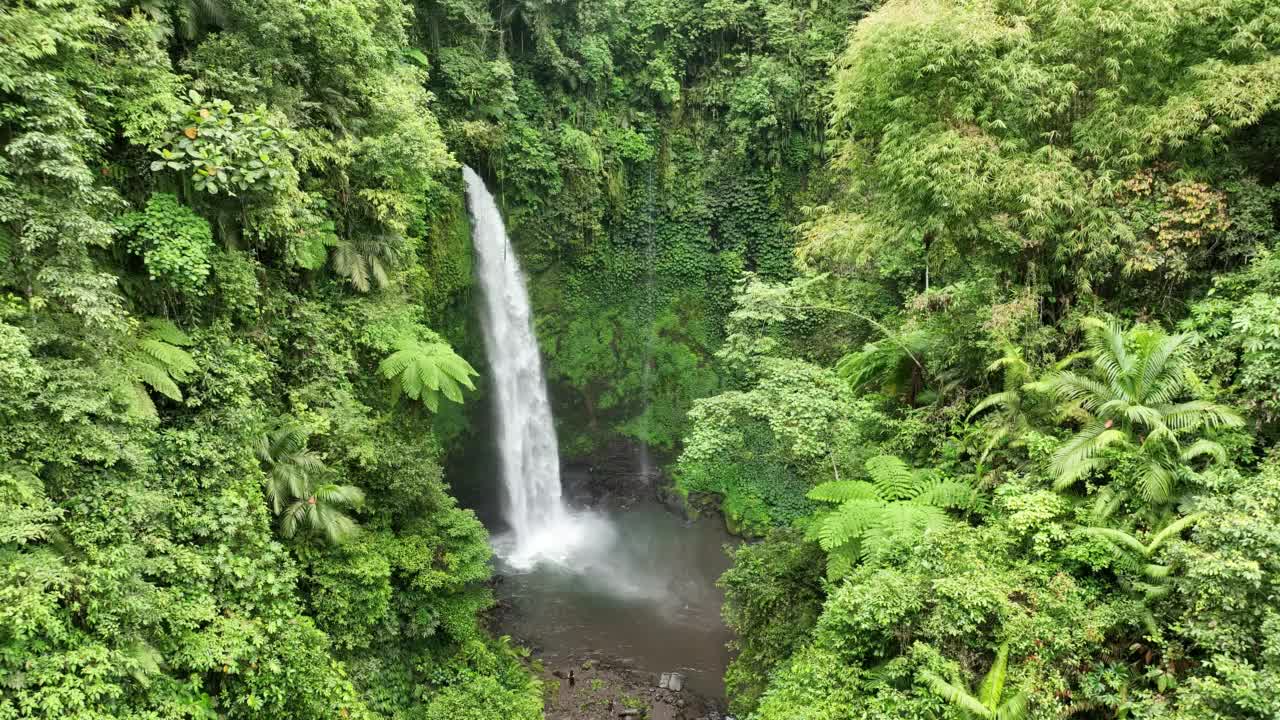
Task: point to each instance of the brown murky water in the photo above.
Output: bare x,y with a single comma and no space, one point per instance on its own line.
645,595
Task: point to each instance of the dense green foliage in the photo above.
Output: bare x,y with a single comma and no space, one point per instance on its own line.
968,309
1042,274
226,228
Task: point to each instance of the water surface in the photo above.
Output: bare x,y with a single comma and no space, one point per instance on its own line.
646,596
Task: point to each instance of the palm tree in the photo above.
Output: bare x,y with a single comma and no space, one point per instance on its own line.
1012,420
1014,404
366,262
987,703
1157,584
874,515
288,462
318,510
1132,402
299,490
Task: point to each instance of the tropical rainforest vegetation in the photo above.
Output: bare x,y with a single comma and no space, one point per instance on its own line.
967,311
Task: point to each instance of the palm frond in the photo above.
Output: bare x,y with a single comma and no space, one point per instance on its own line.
1077,458
992,686
1005,399
1203,447
1068,386
1172,530
1200,413
1156,483
1163,359
1118,537
954,694
340,495
1015,708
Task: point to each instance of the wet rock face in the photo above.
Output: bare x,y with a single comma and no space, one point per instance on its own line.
620,475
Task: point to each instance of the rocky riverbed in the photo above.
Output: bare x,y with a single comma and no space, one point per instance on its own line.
602,689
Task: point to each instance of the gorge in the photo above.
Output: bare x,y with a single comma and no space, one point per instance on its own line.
399,359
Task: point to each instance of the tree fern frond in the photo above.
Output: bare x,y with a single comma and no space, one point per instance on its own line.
952,494
843,491
840,561
847,522
173,359
165,331
423,371
891,477
156,378
139,402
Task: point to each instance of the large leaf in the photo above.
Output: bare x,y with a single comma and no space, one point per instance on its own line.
892,477
425,370
993,684
955,694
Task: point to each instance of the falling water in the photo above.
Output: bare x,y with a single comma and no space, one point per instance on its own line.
541,527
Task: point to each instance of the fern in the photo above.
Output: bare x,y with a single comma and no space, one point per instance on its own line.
426,370
892,478
873,517
155,359
843,491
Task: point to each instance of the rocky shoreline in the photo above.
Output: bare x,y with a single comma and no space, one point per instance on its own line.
595,687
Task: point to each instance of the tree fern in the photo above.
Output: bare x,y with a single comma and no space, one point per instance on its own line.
155,359
892,478
426,370
366,262
895,506
892,365
843,491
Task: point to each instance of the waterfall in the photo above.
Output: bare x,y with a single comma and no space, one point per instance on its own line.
541,527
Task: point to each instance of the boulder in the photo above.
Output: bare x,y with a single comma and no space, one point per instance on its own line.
675,682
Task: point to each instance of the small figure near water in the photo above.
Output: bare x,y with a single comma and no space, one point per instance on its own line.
572,680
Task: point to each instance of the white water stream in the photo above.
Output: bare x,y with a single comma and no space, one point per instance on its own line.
542,528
